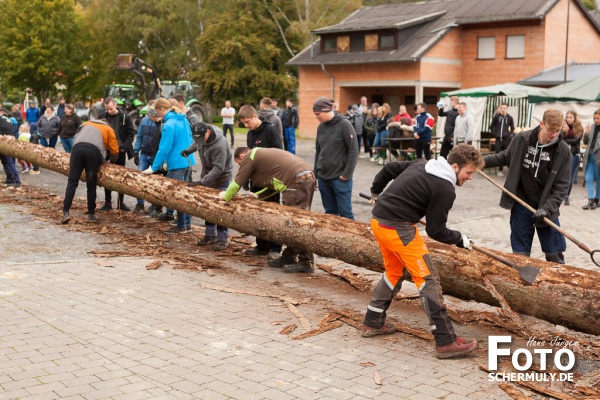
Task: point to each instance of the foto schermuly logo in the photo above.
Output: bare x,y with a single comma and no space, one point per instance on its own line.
558,354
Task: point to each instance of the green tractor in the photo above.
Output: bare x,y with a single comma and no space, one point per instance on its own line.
127,95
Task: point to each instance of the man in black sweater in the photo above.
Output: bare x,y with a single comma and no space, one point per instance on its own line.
419,188
450,114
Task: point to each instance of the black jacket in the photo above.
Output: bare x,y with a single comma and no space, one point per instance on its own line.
266,135
416,193
290,118
557,184
450,115
502,127
124,131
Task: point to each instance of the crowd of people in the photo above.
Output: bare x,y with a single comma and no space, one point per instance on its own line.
543,164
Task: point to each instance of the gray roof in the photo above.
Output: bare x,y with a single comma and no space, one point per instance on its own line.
556,75
425,24
596,16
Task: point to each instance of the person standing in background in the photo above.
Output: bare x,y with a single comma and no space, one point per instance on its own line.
228,114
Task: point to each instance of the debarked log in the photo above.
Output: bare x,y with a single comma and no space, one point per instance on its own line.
562,295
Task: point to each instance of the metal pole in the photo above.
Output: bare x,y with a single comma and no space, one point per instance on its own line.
567,40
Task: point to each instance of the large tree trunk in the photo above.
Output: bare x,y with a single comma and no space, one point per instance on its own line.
566,295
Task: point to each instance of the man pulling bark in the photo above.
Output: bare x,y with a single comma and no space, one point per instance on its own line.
277,171
419,189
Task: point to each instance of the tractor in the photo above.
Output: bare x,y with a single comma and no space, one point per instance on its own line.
127,95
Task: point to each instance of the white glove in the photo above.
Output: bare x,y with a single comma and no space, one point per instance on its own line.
464,242
222,195
148,171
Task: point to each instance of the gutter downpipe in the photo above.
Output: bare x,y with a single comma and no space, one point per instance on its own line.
330,80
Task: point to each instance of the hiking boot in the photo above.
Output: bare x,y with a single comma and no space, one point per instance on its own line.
279,262
567,203
591,205
17,184
220,246
166,217
387,329
255,251
188,228
206,240
174,230
459,347
299,267
138,208
156,214
123,207
65,218
92,217
107,206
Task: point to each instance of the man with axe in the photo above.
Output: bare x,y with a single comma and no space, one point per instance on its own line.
419,189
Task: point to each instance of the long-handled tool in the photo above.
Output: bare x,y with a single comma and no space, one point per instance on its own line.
593,254
528,273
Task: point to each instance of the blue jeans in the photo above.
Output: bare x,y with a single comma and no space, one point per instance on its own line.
574,171
290,139
219,231
67,143
336,196
380,139
592,175
52,143
181,174
145,162
8,163
522,229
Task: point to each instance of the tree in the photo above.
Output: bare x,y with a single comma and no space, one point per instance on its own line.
241,56
39,43
245,47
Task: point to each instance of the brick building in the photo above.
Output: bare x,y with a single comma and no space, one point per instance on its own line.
410,52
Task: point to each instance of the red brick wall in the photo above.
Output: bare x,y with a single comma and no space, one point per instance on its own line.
584,40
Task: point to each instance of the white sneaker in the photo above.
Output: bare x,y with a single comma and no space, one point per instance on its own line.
373,159
500,173
25,170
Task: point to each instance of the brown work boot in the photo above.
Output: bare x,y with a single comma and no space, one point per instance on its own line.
459,347
387,329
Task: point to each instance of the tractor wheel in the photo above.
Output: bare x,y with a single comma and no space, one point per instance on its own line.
135,118
198,110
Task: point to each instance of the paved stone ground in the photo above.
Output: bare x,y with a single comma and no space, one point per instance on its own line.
79,330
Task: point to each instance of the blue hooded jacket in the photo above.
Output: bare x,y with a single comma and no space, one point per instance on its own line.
176,137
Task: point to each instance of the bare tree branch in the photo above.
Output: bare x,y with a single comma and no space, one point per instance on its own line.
280,28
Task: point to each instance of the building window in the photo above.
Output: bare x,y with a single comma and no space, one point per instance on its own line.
515,46
486,48
387,42
329,44
343,44
357,42
371,41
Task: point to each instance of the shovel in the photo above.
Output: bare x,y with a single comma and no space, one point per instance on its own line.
593,254
528,273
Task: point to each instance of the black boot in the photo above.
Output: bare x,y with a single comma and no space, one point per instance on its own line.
567,201
558,258
591,205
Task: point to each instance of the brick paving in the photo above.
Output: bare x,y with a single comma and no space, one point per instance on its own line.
78,330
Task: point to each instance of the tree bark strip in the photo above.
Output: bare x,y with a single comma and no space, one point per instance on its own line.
561,295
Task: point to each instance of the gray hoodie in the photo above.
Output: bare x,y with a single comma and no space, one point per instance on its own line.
272,117
215,157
